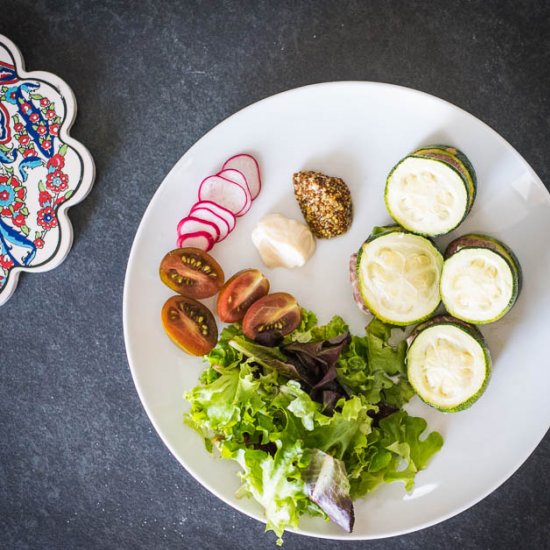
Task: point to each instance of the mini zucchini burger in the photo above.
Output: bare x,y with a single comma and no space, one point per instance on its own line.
448,363
397,276
431,191
481,279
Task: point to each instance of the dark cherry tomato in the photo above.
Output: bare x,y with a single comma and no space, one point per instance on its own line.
189,324
271,317
191,272
239,293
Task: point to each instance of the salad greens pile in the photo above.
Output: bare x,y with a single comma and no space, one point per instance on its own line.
315,422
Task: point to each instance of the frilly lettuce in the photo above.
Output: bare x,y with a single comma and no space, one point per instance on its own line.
297,458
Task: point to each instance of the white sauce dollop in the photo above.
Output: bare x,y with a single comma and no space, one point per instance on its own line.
283,242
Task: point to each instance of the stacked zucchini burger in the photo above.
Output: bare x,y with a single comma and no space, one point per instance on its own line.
400,276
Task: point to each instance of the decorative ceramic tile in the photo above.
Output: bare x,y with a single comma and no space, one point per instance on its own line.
43,171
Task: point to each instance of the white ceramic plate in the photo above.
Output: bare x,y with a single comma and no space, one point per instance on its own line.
358,131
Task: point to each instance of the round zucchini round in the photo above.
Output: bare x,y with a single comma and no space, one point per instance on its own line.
398,276
481,279
431,191
448,363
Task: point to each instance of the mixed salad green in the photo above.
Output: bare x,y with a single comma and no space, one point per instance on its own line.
315,421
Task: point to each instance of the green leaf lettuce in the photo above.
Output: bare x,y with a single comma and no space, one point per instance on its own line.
295,458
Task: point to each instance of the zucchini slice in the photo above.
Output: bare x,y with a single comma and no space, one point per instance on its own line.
398,276
481,279
430,191
448,363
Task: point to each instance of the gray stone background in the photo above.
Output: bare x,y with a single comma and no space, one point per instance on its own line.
80,464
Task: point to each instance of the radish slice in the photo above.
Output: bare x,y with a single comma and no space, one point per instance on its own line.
237,177
226,193
207,215
191,224
197,239
248,166
220,211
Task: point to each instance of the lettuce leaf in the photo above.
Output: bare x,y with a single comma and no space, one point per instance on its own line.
397,453
382,355
223,355
308,331
328,486
266,356
276,483
374,368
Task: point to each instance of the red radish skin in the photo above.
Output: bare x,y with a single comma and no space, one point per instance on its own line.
197,239
209,216
249,167
192,224
222,198
228,216
224,192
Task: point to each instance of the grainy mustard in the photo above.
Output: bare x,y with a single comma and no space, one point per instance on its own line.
325,202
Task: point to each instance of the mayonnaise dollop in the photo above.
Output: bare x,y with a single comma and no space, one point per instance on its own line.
282,242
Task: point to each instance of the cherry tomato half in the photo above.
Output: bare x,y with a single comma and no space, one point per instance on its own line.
272,316
189,324
239,293
191,272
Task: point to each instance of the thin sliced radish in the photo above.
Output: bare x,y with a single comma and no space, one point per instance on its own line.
197,239
226,193
228,216
234,176
207,215
237,177
249,167
192,224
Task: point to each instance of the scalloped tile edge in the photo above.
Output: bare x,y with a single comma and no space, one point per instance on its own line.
87,176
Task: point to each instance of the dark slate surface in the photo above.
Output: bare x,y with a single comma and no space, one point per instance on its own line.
80,464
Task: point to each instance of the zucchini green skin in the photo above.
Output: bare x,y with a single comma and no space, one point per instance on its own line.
451,162
380,231
446,319
458,160
476,240
472,331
